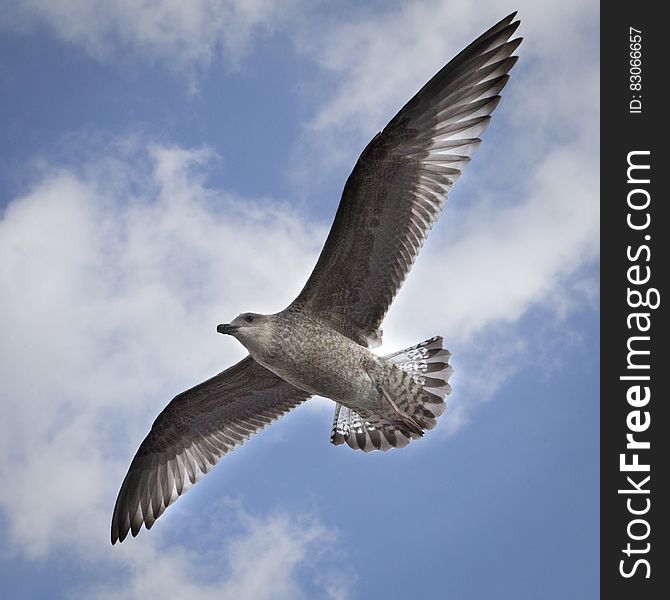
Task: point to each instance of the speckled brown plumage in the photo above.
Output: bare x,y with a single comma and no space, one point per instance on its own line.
320,343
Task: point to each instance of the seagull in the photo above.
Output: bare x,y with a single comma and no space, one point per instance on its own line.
320,345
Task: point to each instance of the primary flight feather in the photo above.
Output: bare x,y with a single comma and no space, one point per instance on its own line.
319,344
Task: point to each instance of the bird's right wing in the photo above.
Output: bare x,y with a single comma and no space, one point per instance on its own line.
192,433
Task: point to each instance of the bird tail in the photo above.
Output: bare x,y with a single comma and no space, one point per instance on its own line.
415,385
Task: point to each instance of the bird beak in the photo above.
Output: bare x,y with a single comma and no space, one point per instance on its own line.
227,329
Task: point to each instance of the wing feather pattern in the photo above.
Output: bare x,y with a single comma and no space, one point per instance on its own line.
397,188
192,433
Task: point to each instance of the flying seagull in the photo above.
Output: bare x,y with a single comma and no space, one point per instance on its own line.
320,344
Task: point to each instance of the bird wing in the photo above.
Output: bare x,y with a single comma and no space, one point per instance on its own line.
192,433
396,191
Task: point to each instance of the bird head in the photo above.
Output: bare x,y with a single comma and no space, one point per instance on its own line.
249,328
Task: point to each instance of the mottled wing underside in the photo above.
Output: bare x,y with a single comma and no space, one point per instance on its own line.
396,191
194,431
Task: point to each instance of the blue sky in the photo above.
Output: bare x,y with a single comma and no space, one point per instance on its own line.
168,165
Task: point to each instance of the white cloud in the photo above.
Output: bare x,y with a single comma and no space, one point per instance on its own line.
181,35
373,64
110,295
508,258
264,560
380,60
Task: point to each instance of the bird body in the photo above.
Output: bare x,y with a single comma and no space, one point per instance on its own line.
316,358
310,355
320,344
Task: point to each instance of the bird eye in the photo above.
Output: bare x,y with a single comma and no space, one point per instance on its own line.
249,318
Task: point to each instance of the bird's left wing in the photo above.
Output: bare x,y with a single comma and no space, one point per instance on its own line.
194,431
396,190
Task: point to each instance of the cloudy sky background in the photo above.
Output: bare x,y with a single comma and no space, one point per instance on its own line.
166,165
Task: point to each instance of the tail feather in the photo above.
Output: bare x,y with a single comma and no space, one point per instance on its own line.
428,365
415,402
359,434
366,434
